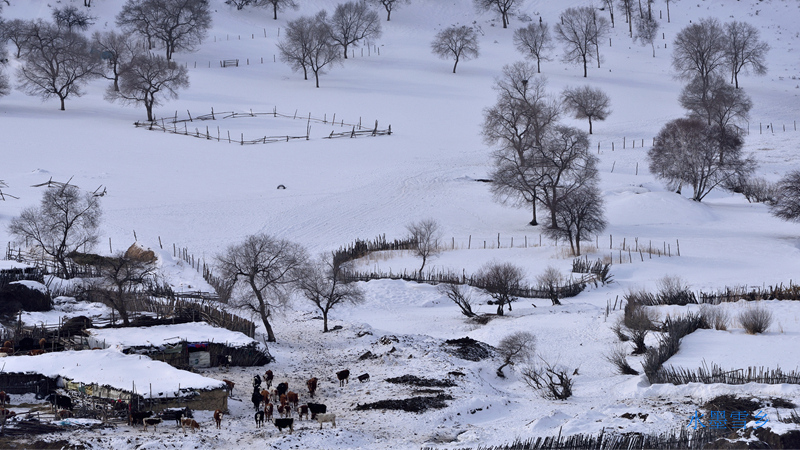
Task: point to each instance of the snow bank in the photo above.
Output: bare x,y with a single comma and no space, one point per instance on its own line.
163,334
112,368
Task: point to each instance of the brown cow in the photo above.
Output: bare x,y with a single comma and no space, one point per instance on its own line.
229,385
42,343
218,418
343,376
268,376
302,411
312,386
35,352
191,423
284,400
265,395
293,398
285,410
268,410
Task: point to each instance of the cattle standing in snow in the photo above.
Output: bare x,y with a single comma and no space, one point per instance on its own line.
285,423
59,401
282,388
268,376
259,419
293,398
191,423
218,418
268,409
363,377
257,382
316,408
138,417
322,418
256,398
229,385
312,386
302,411
343,376
153,421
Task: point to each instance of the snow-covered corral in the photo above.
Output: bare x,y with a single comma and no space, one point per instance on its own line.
110,374
176,344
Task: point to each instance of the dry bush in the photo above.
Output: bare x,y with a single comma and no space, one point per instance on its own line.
459,295
552,382
715,317
619,329
617,357
672,290
755,319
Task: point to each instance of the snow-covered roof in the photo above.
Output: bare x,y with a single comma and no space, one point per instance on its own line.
168,334
112,368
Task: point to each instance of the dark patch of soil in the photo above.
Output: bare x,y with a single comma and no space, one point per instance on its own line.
413,404
414,380
777,402
39,445
731,403
367,355
469,349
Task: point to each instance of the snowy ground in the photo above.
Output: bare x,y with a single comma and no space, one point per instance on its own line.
205,195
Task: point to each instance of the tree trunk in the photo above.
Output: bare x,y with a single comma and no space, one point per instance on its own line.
584,66
305,73
274,11
533,221
62,103
345,51
455,65
499,308
316,76
324,320
590,124
388,15
424,260
538,65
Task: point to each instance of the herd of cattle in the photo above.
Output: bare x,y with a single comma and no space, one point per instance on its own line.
266,401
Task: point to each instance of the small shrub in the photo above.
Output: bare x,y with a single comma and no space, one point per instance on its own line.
715,317
640,297
619,329
553,383
636,316
755,319
674,291
617,357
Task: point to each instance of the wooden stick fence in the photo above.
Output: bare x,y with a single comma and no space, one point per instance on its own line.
173,125
681,375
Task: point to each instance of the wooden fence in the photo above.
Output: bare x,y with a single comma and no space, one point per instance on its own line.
684,438
716,374
173,125
201,311
439,277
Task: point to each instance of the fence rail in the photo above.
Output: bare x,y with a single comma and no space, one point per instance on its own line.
680,375
171,125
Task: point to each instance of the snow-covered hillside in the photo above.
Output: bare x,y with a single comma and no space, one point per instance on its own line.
205,195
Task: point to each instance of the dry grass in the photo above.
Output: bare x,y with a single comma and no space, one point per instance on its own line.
755,319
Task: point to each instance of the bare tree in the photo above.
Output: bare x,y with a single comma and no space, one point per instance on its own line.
534,42
502,281
322,51
699,50
277,5
456,42
566,165
122,277
295,46
239,4
116,51
627,8
688,151
667,2
265,269
744,50
146,80
504,7
389,6
516,125
57,63
71,18
579,32
587,102
319,283
178,24
788,205
609,4
5,86
425,235
716,101
579,216
551,280
18,32
352,22
646,33
65,221
515,348
600,31
458,294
